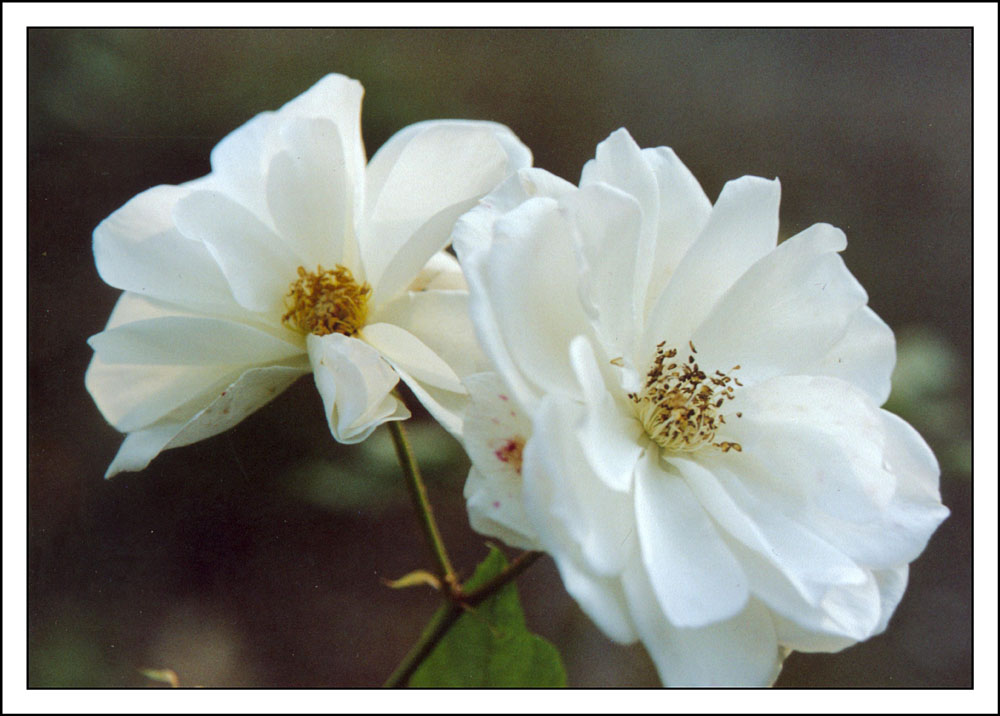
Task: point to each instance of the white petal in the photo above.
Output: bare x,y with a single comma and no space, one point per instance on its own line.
427,339
474,230
140,447
786,311
806,561
338,99
610,437
818,440
402,348
801,639
186,340
308,193
241,160
891,585
139,249
864,356
441,273
256,263
570,507
485,319
132,307
495,426
494,434
845,616
619,163
428,169
439,329
132,395
252,390
740,651
902,529
404,266
495,510
742,228
525,313
694,575
838,611
612,263
415,152
356,385
473,237
683,212
445,406
841,609
910,457
860,478
601,598
440,320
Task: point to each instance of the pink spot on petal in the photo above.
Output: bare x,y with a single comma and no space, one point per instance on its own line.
511,453
495,504
503,397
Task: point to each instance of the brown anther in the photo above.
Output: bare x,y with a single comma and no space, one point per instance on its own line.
679,404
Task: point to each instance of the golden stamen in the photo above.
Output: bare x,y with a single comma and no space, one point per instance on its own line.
327,301
678,405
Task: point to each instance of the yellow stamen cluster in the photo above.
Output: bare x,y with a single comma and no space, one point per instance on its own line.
679,403
328,301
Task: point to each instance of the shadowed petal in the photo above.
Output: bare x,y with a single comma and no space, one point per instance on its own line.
356,385
694,575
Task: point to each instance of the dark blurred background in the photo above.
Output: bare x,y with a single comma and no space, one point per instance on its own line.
255,558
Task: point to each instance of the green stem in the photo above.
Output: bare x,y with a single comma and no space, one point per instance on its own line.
418,493
448,614
444,617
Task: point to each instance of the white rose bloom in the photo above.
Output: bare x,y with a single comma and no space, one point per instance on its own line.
686,416
293,256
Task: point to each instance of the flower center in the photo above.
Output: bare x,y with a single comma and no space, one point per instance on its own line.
327,301
679,404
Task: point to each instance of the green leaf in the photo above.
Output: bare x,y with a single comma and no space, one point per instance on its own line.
491,646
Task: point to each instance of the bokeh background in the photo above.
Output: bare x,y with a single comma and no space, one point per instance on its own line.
255,558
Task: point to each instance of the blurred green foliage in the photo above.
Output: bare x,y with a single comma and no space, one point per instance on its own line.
365,478
69,658
926,393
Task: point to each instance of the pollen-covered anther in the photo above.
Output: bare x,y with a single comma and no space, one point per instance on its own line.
679,405
327,301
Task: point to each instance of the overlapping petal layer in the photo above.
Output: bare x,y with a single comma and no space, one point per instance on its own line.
200,338
783,507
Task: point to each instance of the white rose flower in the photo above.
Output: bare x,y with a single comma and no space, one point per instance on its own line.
686,415
293,256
